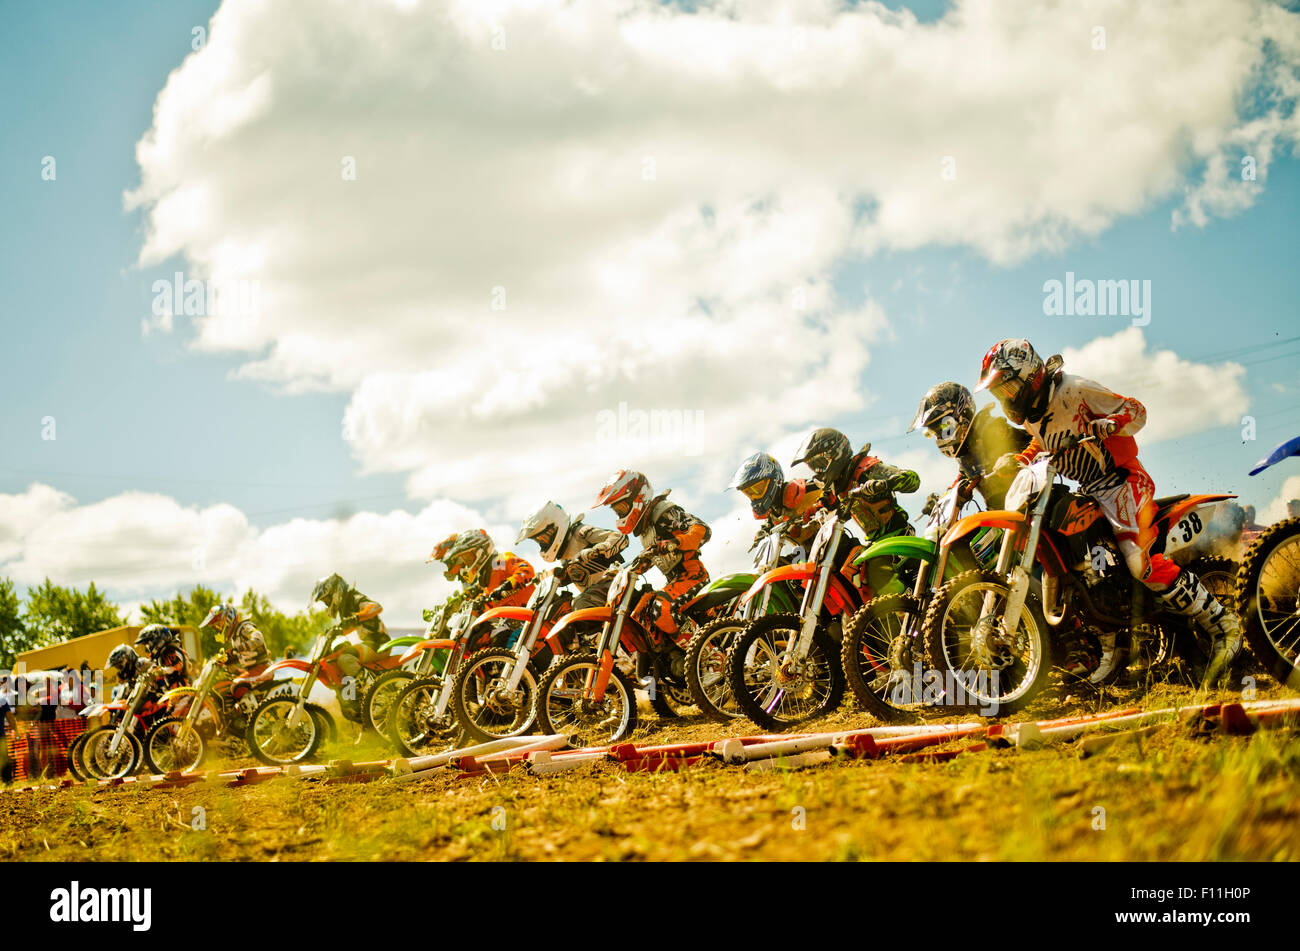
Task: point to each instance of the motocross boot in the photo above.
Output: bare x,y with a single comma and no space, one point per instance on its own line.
1114,657
1189,597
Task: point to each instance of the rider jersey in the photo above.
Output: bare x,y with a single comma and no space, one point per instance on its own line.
247,647
668,521
1074,402
799,500
588,552
988,457
509,581
881,515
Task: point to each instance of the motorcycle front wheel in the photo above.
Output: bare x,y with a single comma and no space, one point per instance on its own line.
771,687
985,669
1268,597
563,707
483,705
706,668
414,725
272,740
100,763
381,696
165,751
881,659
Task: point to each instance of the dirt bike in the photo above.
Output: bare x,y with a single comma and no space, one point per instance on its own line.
423,656
287,728
1267,588
988,633
495,688
115,749
212,710
709,648
785,668
422,719
587,694
883,648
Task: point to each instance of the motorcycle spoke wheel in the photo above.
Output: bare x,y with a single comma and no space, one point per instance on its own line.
416,728
273,741
484,705
774,690
563,707
165,750
707,656
984,668
881,659
100,763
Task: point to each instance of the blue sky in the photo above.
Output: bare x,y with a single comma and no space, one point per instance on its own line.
137,413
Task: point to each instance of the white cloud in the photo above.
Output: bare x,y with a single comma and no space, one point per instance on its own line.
139,546
652,192
1180,396
1276,510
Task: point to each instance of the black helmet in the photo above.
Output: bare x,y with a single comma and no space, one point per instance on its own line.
946,412
125,661
827,452
156,638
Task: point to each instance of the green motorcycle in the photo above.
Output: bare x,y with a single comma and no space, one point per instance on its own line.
883,650
420,659
706,655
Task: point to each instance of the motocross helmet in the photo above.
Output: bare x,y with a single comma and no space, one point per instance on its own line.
1015,373
628,493
827,452
157,638
468,554
125,661
329,591
946,413
547,525
761,480
222,619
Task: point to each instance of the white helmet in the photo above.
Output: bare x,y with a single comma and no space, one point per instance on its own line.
547,525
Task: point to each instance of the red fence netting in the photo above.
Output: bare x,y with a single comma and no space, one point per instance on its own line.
42,747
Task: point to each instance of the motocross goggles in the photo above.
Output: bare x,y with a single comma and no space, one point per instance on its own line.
756,490
545,537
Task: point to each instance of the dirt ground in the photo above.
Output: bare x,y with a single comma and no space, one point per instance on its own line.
1170,796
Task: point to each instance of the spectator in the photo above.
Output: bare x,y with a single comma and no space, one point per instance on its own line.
1293,509
1250,525
7,723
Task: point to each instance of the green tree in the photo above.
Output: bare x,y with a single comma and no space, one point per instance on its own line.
279,629
55,613
14,636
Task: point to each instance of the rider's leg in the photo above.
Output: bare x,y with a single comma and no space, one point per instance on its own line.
1131,511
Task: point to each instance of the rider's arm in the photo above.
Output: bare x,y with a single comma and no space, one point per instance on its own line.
1127,413
521,574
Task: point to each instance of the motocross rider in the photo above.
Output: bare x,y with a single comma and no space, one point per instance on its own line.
1054,405
774,500
984,445
163,645
129,665
488,580
584,552
246,653
673,537
868,486
355,611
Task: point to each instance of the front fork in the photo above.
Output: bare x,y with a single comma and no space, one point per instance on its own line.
812,606
300,707
1018,583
